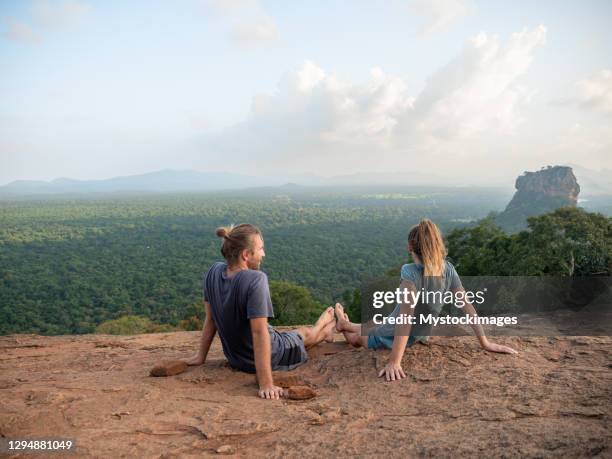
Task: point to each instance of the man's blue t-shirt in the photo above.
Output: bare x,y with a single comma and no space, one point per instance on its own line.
234,300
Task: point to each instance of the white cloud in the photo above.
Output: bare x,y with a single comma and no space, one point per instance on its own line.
261,30
589,144
470,104
593,92
313,110
440,15
65,13
478,91
248,22
20,32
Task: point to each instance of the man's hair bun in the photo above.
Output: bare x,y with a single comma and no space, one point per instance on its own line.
223,231
236,238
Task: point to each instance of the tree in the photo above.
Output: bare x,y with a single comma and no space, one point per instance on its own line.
293,304
566,242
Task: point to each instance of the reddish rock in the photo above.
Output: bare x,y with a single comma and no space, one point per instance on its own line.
168,368
284,380
559,409
300,393
225,449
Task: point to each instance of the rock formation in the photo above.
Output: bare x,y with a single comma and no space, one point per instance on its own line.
551,400
538,193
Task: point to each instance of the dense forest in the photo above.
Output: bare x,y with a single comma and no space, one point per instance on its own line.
135,262
566,242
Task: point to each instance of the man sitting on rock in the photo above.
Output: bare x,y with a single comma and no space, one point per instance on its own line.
238,305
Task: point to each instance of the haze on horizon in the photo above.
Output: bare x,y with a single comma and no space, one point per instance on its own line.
92,90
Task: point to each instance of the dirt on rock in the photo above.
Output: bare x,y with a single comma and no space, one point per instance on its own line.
553,399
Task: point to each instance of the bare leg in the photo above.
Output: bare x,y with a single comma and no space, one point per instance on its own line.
351,331
355,339
343,323
322,330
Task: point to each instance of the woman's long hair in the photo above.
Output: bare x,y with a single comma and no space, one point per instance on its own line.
425,239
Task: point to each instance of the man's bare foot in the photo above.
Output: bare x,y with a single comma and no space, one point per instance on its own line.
342,318
326,317
195,360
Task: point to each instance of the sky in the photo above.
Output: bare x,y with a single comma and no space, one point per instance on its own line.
91,90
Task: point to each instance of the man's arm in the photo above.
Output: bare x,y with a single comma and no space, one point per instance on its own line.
469,310
209,330
262,348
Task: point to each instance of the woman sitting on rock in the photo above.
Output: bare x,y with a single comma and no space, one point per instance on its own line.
430,267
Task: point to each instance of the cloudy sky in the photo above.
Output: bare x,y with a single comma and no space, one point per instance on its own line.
446,87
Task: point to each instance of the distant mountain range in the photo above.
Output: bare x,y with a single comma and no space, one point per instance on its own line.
189,180
591,182
159,181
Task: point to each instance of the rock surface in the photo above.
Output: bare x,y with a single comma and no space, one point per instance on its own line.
553,399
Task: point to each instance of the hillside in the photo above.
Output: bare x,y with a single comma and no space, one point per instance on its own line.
553,399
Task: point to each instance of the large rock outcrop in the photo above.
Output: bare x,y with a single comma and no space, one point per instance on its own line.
551,400
538,193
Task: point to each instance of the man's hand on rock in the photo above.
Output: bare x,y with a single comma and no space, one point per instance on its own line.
271,392
197,359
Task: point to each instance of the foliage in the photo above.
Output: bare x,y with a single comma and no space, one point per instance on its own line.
293,304
566,242
68,265
131,325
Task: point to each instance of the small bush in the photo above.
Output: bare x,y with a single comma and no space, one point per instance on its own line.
131,325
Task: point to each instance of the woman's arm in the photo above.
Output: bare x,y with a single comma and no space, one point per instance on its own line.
468,309
393,369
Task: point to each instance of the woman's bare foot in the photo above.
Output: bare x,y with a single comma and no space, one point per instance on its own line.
195,360
342,319
328,332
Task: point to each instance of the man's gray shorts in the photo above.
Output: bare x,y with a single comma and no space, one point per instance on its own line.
294,351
